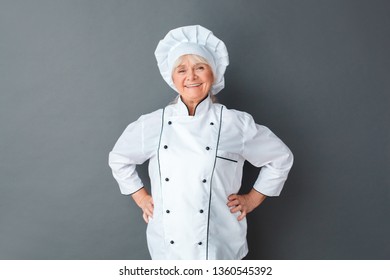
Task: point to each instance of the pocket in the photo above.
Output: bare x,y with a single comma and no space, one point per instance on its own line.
226,176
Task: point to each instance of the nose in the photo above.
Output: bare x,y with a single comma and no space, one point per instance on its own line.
191,75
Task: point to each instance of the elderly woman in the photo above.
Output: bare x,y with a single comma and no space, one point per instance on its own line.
196,150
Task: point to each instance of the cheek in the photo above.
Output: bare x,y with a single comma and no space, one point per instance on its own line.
210,80
176,81
209,77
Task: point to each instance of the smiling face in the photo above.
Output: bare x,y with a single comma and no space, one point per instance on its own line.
193,78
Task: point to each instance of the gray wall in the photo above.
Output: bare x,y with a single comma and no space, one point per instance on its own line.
73,74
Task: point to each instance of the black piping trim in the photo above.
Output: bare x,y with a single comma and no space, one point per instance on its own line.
159,144
137,190
227,159
158,155
199,103
211,184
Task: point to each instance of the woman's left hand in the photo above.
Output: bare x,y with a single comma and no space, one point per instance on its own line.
245,203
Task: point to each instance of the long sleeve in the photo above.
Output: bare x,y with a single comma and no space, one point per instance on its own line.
264,149
137,144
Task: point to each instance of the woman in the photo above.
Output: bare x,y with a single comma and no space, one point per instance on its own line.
196,150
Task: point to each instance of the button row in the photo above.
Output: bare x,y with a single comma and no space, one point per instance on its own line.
170,122
169,211
173,242
203,181
166,147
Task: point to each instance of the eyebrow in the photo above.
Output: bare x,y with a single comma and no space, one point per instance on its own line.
197,64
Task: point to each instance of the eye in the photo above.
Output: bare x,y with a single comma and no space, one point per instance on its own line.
181,71
201,67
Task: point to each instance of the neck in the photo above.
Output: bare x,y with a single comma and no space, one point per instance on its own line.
192,104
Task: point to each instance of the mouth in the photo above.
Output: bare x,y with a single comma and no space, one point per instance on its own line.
192,85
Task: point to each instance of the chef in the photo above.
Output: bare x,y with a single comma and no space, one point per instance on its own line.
196,150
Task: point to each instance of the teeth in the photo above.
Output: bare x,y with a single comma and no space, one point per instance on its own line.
193,85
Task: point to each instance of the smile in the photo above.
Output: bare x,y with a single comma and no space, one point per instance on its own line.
192,85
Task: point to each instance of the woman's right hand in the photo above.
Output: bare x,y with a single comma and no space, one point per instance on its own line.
147,207
145,202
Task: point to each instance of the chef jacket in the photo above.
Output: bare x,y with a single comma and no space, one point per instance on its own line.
195,163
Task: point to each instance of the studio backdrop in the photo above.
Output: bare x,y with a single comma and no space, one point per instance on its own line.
74,74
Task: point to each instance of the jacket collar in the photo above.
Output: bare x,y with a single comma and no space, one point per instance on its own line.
201,108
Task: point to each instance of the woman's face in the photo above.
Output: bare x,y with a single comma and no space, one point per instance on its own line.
193,80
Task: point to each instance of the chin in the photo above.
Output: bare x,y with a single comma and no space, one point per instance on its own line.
196,96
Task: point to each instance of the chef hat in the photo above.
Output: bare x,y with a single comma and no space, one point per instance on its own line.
197,40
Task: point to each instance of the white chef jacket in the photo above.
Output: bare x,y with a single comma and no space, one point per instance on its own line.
195,163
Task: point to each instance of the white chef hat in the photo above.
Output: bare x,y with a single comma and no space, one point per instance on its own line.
193,39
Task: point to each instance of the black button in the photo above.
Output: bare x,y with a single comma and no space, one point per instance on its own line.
165,147
200,243
207,148
201,211
169,122
211,123
168,211
172,242
167,179
204,180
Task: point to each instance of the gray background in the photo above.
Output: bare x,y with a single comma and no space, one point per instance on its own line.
75,73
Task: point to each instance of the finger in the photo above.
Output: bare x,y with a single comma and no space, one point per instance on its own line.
146,219
149,212
233,203
232,197
242,216
149,206
236,209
